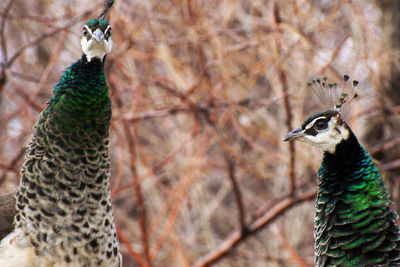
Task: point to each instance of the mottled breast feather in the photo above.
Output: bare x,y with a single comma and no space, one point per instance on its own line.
64,197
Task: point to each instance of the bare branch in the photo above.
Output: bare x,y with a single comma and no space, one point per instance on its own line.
135,255
236,191
276,19
237,237
47,35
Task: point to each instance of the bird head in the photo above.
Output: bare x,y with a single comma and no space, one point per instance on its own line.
327,129
96,39
324,130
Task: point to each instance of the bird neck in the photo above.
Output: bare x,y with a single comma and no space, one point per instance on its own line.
346,156
352,207
80,100
348,165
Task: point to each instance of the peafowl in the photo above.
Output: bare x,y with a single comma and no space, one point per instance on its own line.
63,201
354,223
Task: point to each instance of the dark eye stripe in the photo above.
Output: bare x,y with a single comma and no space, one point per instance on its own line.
312,128
102,27
326,114
108,30
311,131
311,124
89,31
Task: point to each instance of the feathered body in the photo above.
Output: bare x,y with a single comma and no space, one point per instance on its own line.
63,202
354,223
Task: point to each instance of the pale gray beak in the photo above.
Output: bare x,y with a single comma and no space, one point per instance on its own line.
98,35
293,135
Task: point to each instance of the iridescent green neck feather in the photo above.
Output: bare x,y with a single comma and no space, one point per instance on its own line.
355,225
63,200
81,99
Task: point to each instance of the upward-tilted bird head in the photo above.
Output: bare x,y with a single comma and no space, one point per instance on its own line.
96,39
324,130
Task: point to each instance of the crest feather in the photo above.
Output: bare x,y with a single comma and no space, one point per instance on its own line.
333,95
107,7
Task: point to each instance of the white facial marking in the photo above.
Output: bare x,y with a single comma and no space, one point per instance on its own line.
311,124
97,45
327,139
107,29
88,29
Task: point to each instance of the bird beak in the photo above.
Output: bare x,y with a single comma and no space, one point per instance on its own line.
98,35
293,135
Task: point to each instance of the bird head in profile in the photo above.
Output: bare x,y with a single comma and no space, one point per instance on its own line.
327,129
324,130
96,39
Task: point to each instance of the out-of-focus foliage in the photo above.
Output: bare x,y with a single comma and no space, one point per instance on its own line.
202,93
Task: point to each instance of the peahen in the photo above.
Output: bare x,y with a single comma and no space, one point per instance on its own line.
354,223
63,200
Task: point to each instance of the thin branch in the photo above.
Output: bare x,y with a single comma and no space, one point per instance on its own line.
142,218
3,44
173,214
199,107
179,250
28,100
391,165
135,255
236,191
3,18
228,149
237,237
276,20
153,170
141,209
46,35
50,64
384,146
295,256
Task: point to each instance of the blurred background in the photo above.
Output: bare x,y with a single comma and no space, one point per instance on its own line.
203,92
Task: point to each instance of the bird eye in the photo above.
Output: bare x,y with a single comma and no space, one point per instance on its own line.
321,124
85,32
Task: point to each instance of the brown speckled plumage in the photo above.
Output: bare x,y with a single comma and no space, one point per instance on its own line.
63,202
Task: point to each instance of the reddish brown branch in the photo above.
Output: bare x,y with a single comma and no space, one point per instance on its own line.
295,256
391,165
200,107
237,237
141,210
172,216
28,100
50,64
3,17
156,167
46,35
3,42
384,146
135,255
276,20
142,219
236,191
179,250
185,186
